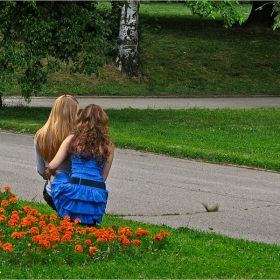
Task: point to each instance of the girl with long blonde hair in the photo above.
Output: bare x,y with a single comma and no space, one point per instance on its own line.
48,139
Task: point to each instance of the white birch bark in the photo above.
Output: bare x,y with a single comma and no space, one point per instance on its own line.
128,58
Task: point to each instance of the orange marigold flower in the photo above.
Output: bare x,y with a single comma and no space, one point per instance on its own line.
92,250
66,236
34,230
67,218
141,231
44,243
164,233
55,246
13,200
136,242
13,222
90,229
79,248
2,218
125,231
124,240
157,237
2,210
36,238
26,208
4,202
42,223
87,241
17,235
43,217
8,247
77,221
7,188
53,217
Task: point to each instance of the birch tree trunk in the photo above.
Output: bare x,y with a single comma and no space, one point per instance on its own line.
128,57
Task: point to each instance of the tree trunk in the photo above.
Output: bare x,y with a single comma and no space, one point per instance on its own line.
261,14
128,57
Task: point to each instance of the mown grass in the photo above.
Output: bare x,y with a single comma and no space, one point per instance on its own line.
188,254
247,137
185,55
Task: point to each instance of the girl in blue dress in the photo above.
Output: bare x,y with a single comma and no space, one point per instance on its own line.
83,194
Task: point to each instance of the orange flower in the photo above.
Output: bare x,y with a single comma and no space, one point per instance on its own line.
44,243
55,246
2,210
92,250
66,236
42,223
7,188
79,248
77,221
90,229
53,217
13,222
164,233
8,247
2,218
17,235
26,208
13,200
4,202
43,217
125,231
34,230
87,241
124,240
141,231
67,218
157,237
136,242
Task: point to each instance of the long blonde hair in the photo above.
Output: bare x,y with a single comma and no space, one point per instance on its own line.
60,123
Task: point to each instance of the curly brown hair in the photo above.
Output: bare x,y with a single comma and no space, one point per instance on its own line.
91,137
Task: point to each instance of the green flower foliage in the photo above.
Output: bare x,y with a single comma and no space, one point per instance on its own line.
37,37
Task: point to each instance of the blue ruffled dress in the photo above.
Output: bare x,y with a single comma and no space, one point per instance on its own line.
79,201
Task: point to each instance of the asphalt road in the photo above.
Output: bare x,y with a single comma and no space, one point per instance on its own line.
162,190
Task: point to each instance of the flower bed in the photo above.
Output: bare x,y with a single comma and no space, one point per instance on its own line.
27,236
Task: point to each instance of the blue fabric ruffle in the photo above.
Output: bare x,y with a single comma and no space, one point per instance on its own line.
78,201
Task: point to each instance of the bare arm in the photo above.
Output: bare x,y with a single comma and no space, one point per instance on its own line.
40,163
60,156
108,162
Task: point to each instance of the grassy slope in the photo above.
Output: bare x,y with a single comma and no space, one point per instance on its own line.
185,55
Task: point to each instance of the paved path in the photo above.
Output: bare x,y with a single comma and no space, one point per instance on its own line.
163,190
160,103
